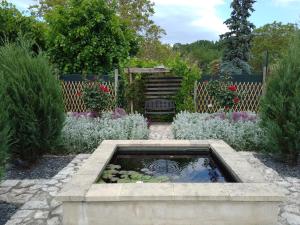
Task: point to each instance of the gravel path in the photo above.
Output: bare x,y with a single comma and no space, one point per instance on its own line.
46,168
6,211
284,176
160,131
36,197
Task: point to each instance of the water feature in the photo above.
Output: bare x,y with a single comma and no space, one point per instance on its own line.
134,166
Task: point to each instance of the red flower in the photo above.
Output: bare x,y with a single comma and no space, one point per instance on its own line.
232,88
227,107
104,88
236,100
78,94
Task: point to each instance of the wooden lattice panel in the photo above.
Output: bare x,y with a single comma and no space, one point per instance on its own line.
251,93
73,100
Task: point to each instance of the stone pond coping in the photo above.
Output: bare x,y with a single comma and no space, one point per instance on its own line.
252,186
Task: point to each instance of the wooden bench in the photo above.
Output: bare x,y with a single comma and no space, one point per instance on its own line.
159,107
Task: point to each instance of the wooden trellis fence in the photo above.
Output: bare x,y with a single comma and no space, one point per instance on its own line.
73,98
252,91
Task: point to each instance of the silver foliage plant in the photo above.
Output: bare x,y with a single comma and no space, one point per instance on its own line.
243,134
83,134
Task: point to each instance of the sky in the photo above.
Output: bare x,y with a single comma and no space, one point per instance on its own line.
186,21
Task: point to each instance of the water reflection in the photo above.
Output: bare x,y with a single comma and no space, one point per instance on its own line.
177,168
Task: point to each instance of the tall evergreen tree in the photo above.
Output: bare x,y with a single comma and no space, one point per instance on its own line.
237,40
280,106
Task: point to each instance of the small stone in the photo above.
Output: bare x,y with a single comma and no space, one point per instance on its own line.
21,199
27,183
53,221
14,222
292,219
4,190
54,203
292,209
19,191
41,214
9,183
22,214
58,211
36,205
52,182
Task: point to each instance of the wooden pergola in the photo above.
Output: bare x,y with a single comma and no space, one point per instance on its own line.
132,71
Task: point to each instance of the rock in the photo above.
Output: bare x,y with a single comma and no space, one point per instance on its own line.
22,214
41,214
54,203
292,219
53,221
27,183
36,205
9,183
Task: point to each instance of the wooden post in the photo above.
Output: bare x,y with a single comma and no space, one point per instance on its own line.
195,95
116,83
131,81
265,72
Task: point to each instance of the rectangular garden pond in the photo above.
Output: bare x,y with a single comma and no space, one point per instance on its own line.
168,183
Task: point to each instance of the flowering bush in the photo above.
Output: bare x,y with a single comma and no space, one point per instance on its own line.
97,97
225,93
239,129
83,133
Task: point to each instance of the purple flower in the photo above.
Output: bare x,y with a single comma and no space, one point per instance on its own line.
118,113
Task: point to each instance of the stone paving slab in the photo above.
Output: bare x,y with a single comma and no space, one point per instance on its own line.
39,206
37,197
161,131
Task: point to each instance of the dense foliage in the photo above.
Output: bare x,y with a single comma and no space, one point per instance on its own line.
201,52
237,40
97,97
280,107
4,127
179,67
224,92
13,24
83,134
239,129
33,101
274,38
88,37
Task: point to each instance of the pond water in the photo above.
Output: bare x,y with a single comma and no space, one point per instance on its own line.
155,167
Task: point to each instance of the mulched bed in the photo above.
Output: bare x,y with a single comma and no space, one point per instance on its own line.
6,211
282,168
46,168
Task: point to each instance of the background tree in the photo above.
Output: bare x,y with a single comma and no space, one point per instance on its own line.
13,23
201,52
280,107
88,37
237,40
274,38
137,14
42,7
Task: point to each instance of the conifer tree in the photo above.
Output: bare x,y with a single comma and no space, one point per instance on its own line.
237,40
280,107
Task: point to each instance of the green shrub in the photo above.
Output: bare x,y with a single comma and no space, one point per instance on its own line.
4,128
33,101
280,107
97,97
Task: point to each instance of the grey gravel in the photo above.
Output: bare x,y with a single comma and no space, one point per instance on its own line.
45,168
